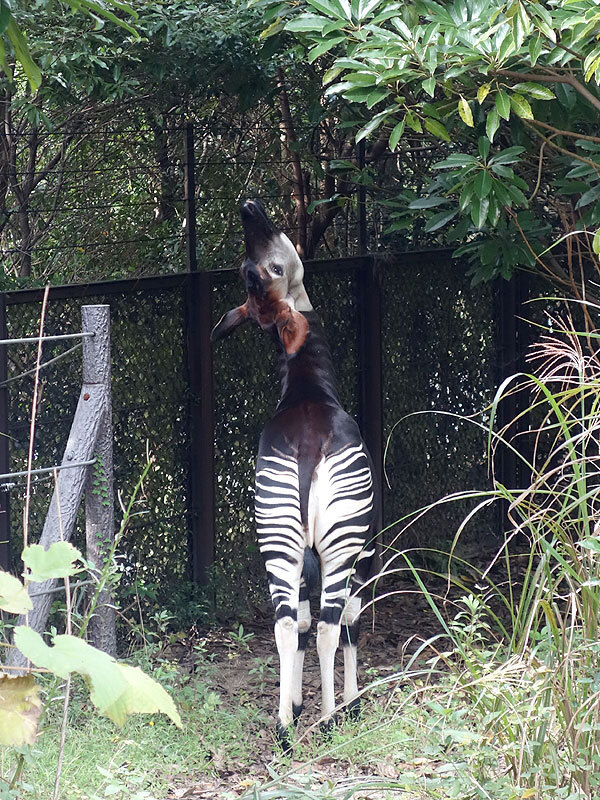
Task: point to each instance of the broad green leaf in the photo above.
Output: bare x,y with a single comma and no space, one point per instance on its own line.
20,708
142,696
483,147
31,69
439,220
596,242
413,122
324,47
13,595
465,196
456,160
437,129
503,104
396,135
479,210
535,49
464,109
507,156
535,90
429,85
589,196
483,92
482,184
521,106
428,202
373,124
329,7
115,689
5,16
58,561
376,96
492,124
365,7
306,23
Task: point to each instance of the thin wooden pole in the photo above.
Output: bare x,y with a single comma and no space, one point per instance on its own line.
99,491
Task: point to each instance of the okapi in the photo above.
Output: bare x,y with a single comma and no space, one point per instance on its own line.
314,491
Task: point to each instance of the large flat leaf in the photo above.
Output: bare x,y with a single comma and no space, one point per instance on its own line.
13,595
58,561
20,708
143,696
115,689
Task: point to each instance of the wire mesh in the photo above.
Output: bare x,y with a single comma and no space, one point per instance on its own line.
439,352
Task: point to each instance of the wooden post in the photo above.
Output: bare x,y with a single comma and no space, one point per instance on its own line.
99,492
4,440
70,484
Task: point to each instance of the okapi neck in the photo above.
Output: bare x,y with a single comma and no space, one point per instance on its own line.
308,376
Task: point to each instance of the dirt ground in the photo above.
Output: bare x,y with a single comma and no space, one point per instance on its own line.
391,632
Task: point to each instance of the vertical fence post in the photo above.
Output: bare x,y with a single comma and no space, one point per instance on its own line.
371,388
513,337
189,177
202,425
361,203
4,452
99,491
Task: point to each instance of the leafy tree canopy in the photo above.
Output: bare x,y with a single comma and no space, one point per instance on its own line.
506,94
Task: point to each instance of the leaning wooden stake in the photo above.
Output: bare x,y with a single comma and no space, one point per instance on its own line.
99,497
89,433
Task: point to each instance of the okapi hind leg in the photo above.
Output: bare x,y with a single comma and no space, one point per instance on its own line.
349,637
304,620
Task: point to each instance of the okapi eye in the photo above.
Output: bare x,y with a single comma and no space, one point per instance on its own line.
277,269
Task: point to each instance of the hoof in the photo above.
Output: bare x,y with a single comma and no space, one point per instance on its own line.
296,711
327,726
353,709
284,739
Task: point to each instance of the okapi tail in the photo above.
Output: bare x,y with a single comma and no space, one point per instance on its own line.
311,571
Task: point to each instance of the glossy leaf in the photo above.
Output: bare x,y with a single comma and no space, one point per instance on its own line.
396,135
492,124
437,129
503,104
464,109
521,106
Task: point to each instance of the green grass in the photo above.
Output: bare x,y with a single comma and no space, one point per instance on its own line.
149,754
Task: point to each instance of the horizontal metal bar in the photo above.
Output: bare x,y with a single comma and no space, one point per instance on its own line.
57,338
58,468
44,364
178,280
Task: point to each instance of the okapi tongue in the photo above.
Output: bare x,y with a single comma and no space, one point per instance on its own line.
258,228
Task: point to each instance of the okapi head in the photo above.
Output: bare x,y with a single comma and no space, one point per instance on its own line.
273,274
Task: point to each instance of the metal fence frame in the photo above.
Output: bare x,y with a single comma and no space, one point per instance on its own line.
198,286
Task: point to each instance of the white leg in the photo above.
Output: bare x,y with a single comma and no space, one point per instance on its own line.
328,637
349,635
303,630
286,636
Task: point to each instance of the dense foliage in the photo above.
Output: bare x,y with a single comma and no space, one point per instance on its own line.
501,98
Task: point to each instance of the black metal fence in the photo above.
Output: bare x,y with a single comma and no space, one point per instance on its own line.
407,334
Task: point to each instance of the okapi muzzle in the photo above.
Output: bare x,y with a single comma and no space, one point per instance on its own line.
271,270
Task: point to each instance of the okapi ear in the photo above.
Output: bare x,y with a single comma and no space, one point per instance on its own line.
229,322
292,328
